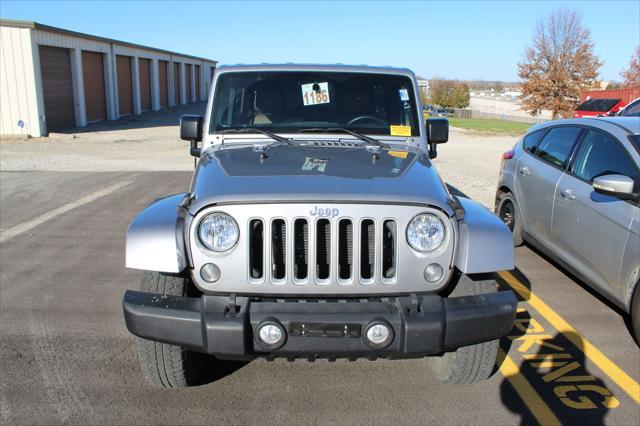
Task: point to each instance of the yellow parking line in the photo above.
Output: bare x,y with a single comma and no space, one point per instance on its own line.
622,379
527,393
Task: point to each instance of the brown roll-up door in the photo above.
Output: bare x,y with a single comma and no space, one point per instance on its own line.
197,83
125,87
57,88
187,82
94,94
176,83
162,77
144,70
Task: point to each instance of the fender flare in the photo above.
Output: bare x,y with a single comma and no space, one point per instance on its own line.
155,238
485,244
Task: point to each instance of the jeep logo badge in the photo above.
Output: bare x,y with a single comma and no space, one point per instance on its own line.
324,212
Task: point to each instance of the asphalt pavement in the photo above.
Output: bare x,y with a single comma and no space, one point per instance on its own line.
66,356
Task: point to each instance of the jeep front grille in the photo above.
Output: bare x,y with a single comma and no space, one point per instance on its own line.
333,250
337,248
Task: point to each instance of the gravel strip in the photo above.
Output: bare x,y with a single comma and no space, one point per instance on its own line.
469,162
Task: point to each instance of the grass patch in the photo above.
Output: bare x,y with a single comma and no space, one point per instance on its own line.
501,127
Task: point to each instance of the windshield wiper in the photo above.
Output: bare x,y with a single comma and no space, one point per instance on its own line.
360,136
273,136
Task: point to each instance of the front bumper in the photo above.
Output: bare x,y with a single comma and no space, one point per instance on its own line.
225,327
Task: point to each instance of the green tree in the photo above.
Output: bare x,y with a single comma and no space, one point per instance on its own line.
449,93
441,92
424,97
460,95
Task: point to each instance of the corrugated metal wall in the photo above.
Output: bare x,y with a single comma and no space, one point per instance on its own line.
627,95
18,101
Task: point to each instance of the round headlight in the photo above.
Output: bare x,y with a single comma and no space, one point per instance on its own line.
425,232
218,231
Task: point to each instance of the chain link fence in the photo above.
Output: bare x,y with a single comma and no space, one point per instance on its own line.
469,113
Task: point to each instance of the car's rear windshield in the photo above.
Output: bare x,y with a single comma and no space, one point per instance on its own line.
288,101
597,105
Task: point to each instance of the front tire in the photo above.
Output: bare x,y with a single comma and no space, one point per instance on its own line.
507,211
474,363
164,365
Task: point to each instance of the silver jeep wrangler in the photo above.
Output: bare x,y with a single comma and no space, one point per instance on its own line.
316,226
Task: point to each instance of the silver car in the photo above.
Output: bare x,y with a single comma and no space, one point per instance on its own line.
571,188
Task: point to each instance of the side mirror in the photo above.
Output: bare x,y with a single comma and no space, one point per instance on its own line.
191,130
437,132
619,186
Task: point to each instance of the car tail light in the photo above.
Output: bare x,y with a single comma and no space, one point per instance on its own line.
507,155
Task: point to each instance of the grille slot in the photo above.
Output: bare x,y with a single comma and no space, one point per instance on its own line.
367,249
345,249
278,249
323,249
256,249
389,241
300,249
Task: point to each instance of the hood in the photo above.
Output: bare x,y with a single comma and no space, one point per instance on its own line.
313,174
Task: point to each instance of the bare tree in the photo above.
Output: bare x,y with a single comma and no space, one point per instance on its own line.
632,75
558,66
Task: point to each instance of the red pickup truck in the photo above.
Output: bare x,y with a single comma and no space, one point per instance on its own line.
605,102
596,107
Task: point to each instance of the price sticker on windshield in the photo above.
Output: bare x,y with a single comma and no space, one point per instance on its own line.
315,94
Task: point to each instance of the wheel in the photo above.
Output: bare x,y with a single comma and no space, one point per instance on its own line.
635,314
474,363
508,212
165,365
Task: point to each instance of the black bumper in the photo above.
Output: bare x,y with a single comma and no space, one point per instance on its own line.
225,327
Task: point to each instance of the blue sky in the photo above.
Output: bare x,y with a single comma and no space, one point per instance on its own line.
460,39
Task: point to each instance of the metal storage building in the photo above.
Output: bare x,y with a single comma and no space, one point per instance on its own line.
53,79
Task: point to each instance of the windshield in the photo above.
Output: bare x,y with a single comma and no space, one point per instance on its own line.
632,110
287,101
597,105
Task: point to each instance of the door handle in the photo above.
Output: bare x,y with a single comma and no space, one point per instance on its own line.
568,194
524,170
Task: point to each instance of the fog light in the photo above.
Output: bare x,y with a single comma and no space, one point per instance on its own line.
433,272
270,335
378,335
210,273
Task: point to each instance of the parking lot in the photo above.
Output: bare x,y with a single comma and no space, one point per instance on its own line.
68,358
